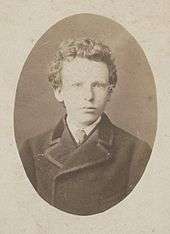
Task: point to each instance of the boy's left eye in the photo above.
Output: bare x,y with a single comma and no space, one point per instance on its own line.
99,85
76,85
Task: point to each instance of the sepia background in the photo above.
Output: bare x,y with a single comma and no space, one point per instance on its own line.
146,209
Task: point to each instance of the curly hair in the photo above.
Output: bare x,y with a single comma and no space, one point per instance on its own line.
84,48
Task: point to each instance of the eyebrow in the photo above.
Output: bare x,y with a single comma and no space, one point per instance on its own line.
99,82
94,82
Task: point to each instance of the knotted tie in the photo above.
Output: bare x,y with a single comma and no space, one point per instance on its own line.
81,135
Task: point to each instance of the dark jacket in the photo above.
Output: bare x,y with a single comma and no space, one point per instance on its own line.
89,178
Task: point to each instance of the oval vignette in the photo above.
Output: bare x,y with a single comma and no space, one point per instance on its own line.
132,110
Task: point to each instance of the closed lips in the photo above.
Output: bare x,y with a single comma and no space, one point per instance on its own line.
88,107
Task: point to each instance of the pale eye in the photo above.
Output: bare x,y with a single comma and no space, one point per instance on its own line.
76,85
99,85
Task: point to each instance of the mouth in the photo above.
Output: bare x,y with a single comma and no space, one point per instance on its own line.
88,108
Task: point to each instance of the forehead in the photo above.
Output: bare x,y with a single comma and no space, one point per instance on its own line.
82,69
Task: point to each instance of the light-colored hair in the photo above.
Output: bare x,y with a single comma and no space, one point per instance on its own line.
83,48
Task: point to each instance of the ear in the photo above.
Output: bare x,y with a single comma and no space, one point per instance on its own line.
109,94
58,94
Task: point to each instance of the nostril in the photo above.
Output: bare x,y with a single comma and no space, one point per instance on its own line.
88,96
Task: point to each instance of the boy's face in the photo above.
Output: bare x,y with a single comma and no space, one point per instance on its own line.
84,90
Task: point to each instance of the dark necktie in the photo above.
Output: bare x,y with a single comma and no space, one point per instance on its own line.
81,135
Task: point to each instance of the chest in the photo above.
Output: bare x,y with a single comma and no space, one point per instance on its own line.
89,187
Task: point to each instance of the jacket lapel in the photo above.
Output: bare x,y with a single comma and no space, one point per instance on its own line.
68,156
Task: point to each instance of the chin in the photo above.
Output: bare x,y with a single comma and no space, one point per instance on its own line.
88,118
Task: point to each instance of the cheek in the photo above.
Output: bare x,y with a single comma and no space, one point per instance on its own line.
71,101
101,97
70,92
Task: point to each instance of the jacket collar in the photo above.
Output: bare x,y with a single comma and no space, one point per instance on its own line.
64,152
105,133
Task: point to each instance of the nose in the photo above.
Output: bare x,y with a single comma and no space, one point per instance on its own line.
88,94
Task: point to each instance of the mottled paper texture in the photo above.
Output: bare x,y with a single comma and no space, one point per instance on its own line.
146,209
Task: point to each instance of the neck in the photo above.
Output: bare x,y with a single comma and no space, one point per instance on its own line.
80,125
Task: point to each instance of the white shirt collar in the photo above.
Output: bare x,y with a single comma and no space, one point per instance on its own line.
73,128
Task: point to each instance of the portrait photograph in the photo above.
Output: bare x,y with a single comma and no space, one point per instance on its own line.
84,117
85,114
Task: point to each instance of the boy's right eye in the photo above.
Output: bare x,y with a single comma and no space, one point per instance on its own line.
76,84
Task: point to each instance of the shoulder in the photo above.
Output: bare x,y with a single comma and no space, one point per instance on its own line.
137,152
41,141
27,150
122,137
36,145
131,150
